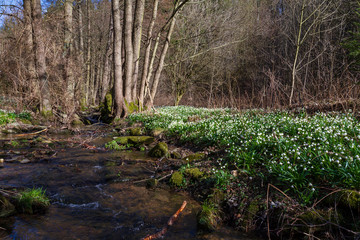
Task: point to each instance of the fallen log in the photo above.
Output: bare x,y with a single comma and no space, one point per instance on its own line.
169,223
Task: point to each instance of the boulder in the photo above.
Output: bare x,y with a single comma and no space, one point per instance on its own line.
160,150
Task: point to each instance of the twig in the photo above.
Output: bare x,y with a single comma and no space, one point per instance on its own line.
169,223
4,229
162,178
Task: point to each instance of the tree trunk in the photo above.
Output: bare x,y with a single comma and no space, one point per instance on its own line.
68,49
106,68
139,17
45,106
118,82
29,49
88,53
147,54
129,50
162,60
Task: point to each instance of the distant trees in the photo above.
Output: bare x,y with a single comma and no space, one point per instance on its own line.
255,53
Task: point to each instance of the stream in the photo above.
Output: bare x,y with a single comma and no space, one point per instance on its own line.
85,204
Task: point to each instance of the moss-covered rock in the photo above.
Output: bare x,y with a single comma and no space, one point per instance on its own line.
249,215
157,132
136,140
194,157
135,131
76,123
177,179
175,155
160,150
6,207
152,183
194,173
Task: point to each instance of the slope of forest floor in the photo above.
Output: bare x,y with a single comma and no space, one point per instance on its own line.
284,174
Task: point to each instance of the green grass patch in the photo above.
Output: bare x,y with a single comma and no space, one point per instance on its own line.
32,201
9,117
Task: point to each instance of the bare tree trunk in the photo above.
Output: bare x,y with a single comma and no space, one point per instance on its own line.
88,53
147,54
68,49
29,48
106,72
139,17
80,56
162,60
118,82
45,106
129,50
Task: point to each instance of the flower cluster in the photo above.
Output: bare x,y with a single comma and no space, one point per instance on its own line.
300,151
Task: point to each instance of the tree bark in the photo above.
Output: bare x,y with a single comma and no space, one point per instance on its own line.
129,50
45,106
162,60
139,17
106,72
88,53
29,49
68,50
118,82
147,54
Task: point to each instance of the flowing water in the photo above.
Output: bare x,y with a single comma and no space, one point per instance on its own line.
86,205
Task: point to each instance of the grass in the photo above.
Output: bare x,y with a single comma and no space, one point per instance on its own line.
33,200
9,117
299,152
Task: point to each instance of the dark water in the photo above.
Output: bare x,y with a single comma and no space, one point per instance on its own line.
85,205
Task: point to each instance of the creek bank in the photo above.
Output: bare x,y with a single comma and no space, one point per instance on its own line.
251,202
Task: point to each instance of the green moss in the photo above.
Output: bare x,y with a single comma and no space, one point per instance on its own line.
194,157
209,216
350,198
152,183
25,121
47,114
136,131
6,207
132,106
108,102
175,155
14,143
76,123
249,217
177,179
157,132
217,196
136,140
110,164
114,146
160,150
194,173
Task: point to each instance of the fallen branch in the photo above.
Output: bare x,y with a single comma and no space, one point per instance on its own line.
162,178
169,223
30,134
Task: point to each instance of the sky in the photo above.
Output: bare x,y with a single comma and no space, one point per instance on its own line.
4,8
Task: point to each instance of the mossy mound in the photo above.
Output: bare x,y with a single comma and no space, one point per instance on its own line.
175,155
136,131
209,216
194,173
194,157
77,123
136,140
152,183
6,207
157,132
176,179
249,215
160,150
350,198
